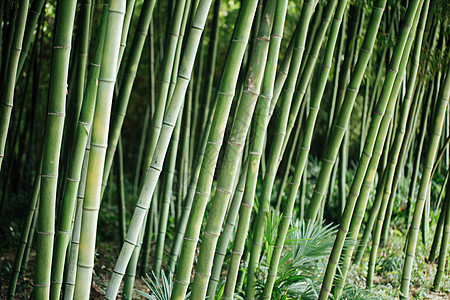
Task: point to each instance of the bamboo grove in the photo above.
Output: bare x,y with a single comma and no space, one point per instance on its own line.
202,149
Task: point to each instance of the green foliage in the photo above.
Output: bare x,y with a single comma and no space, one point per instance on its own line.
160,289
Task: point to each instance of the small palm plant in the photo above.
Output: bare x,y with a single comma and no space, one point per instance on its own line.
304,260
159,289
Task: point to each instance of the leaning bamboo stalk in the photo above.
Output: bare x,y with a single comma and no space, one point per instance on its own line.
304,149
342,121
226,235
69,283
32,19
280,132
252,86
393,154
24,237
444,243
375,140
215,139
399,146
75,164
52,147
152,176
166,73
187,205
7,87
99,143
424,185
167,197
126,85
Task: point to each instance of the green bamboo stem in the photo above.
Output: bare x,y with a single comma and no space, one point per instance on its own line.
69,282
419,147
305,77
126,85
341,124
399,146
150,181
438,232
77,85
281,192
121,193
167,197
241,124
187,204
164,83
130,274
226,235
444,244
18,262
99,142
34,13
211,61
357,215
339,130
129,9
215,139
304,149
423,189
283,69
149,109
52,145
75,165
277,143
393,156
409,92
194,97
7,87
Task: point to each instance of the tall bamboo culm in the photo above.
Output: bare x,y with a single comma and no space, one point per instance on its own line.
52,147
99,143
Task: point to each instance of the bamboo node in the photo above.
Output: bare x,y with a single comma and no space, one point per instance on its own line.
116,11
181,76
255,153
340,127
250,92
342,230
246,204
226,94
103,146
106,80
41,284
181,282
201,274
56,114
49,176
45,232
264,39
202,193
211,234
318,193
129,242
33,12
333,262
81,265
61,47
57,281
